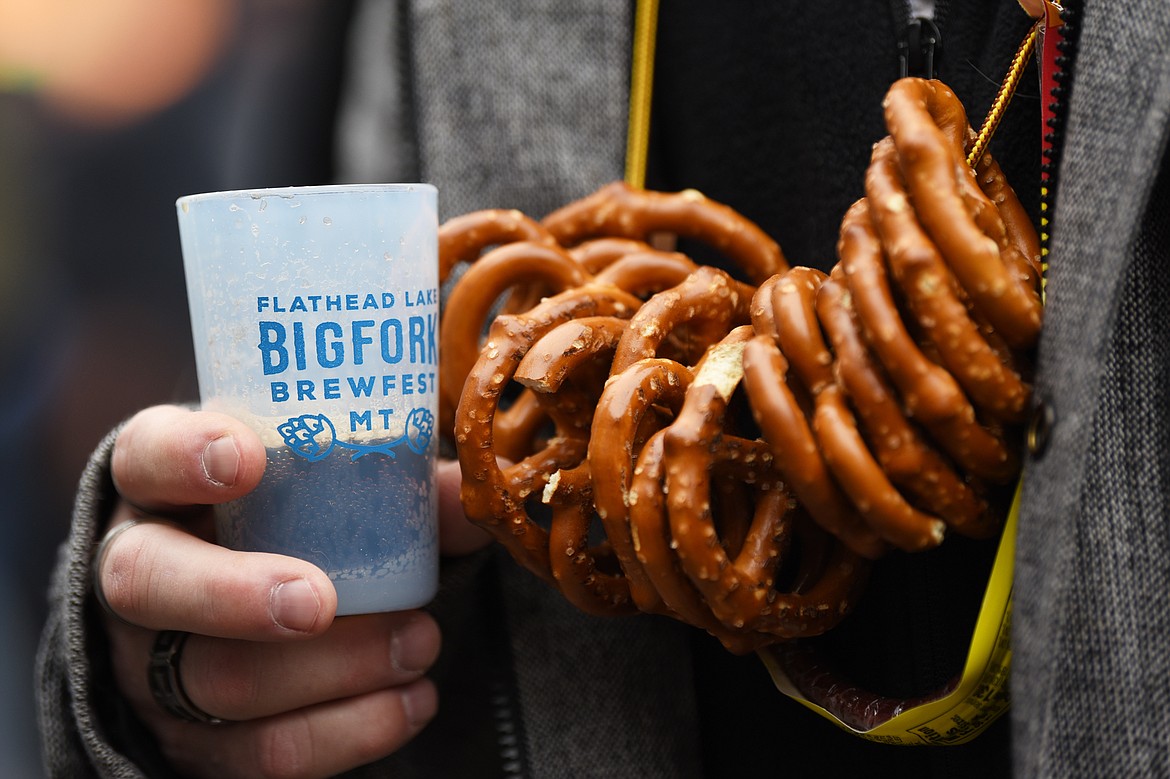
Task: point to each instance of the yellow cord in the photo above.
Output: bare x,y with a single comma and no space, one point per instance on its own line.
641,85
1004,96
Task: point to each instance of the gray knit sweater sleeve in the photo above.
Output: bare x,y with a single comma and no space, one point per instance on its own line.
76,739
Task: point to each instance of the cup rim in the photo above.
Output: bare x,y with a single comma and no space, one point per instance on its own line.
257,193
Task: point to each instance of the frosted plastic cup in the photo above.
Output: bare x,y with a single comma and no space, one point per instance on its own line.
314,312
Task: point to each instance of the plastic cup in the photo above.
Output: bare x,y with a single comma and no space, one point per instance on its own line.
314,312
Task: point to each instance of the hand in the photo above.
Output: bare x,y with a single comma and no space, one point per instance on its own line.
303,694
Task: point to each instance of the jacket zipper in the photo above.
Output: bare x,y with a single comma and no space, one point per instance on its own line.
919,40
508,736
1056,64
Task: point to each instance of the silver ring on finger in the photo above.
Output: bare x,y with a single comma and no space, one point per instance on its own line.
166,685
103,548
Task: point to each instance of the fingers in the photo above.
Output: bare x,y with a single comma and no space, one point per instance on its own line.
314,708
242,680
160,577
245,680
350,697
324,740
457,536
168,457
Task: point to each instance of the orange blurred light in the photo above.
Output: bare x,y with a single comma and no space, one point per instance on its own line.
111,61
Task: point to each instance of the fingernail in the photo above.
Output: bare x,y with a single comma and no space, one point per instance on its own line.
221,461
419,703
294,605
413,647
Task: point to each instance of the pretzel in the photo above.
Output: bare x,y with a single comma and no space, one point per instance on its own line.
783,424
930,291
931,394
631,265
599,253
739,591
705,297
622,211
493,497
707,301
649,526
627,403
644,273
909,460
928,127
747,445
462,238
470,302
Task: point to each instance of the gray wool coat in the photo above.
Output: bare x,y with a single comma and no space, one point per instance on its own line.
1091,630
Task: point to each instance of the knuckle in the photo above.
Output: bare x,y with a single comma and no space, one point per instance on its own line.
129,581
284,748
371,744
223,679
383,728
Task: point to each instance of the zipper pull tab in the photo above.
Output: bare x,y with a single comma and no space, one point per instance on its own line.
918,47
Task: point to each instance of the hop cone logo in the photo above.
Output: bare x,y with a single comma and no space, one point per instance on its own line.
313,436
420,426
310,435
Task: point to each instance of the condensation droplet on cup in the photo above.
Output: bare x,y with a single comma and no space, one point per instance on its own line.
327,221
263,204
301,221
255,230
387,256
233,207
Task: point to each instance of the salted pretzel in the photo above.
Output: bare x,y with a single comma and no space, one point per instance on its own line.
495,496
622,211
920,408
928,127
470,302
462,238
731,448
739,590
781,314
631,404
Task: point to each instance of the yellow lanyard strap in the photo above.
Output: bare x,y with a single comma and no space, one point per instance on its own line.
641,86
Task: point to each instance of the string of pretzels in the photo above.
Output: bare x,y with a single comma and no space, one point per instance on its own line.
731,446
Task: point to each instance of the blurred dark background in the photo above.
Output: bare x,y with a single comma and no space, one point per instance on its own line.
109,112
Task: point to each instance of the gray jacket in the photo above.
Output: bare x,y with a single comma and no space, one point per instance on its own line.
1091,671
1091,617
